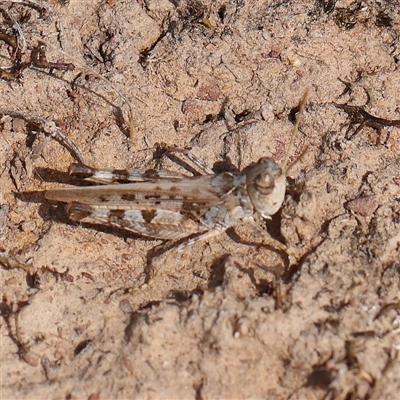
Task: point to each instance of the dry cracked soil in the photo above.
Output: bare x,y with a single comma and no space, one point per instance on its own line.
230,317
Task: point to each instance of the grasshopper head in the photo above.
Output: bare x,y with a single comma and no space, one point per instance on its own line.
266,186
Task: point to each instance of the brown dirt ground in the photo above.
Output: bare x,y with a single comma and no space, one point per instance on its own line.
223,319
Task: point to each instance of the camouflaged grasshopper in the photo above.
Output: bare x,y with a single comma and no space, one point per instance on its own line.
174,207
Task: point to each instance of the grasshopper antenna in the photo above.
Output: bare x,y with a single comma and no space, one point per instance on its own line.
294,134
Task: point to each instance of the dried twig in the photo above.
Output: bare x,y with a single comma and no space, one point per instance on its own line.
49,128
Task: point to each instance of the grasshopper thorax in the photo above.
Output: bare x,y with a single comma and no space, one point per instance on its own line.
266,186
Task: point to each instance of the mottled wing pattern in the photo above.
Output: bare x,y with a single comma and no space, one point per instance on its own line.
162,208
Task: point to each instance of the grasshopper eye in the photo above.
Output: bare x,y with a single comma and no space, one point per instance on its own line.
264,183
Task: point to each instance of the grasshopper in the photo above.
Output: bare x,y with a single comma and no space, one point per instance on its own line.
175,207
